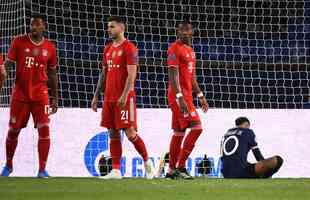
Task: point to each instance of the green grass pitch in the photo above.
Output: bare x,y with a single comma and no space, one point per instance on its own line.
158,189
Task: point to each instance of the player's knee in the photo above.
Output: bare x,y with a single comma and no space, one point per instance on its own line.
13,133
114,134
279,160
43,130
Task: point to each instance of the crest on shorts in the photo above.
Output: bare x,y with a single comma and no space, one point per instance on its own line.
113,54
44,52
35,52
120,53
13,120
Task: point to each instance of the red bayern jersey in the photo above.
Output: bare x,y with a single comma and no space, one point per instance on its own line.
32,60
115,60
183,57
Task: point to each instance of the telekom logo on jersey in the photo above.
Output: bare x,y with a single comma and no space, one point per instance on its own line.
30,62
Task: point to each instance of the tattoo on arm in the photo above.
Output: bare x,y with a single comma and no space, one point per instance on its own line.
173,74
100,84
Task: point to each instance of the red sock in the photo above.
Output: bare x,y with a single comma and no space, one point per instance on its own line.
11,144
43,146
188,145
116,152
140,146
175,148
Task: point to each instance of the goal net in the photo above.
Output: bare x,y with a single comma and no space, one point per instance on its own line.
251,54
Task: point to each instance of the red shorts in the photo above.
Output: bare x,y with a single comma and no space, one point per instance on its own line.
20,112
114,117
181,121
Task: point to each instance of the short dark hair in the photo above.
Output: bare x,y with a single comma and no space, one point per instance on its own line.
184,22
38,16
241,120
116,19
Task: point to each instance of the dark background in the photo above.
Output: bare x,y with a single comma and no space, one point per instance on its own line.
251,54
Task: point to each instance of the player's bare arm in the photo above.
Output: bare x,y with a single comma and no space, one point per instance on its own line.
129,85
173,74
53,84
202,100
100,87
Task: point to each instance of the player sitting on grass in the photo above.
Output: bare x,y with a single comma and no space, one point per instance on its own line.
35,59
236,144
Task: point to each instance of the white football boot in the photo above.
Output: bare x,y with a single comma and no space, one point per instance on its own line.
149,169
114,174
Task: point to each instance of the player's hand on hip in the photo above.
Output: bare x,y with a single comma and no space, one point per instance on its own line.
204,104
54,105
182,105
94,104
122,102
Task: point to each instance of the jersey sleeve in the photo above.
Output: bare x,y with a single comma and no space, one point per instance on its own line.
12,54
52,62
131,55
252,140
172,58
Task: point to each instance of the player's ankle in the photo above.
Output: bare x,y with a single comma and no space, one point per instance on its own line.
9,165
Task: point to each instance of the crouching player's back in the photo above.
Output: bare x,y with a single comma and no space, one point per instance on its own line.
235,146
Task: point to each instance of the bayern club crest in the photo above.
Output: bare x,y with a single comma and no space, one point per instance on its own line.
35,52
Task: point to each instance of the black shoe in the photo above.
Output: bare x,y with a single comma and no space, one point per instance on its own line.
183,174
173,176
169,176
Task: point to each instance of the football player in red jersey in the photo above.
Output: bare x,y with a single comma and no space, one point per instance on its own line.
182,83
35,59
117,80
